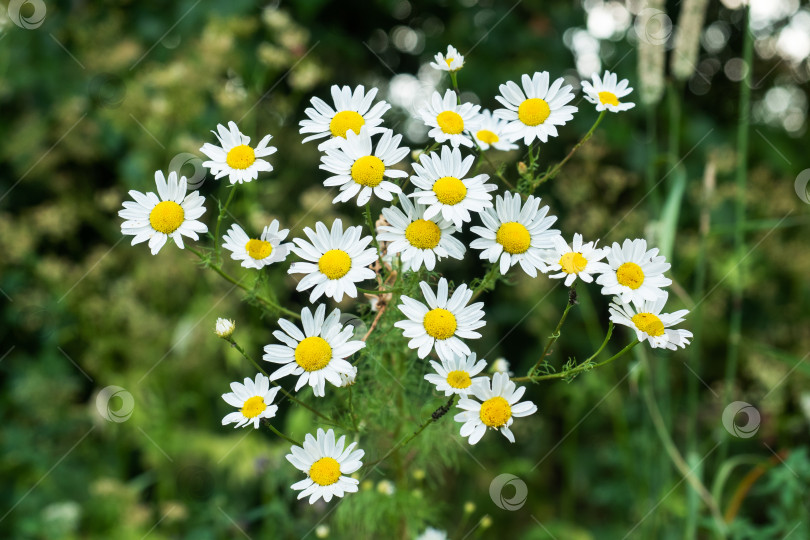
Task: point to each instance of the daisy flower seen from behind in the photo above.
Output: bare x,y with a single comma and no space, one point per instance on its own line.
534,111
169,214
516,233
606,92
443,322
360,171
419,240
576,261
634,273
334,261
257,252
352,111
235,157
447,119
452,61
327,464
495,407
456,375
317,354
441,186
254,399
488,132
652,325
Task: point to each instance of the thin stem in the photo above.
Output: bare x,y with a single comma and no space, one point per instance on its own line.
572,298
222,210
483,285
584,366
351,409
677,458
441,411
376,320
218,269
289,396
553,172
280,434
735,322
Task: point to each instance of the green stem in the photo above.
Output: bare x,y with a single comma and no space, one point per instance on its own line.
584,366
289,396
280,434
556,335
735,322
433,418
351,409
484,284
218,269
553,172
222,210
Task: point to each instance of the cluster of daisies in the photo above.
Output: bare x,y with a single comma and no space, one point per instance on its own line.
361,156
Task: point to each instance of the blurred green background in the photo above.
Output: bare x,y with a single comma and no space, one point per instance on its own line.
97,96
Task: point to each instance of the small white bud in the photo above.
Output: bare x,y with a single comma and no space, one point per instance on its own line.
225,328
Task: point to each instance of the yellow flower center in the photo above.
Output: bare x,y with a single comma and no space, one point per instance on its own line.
240,157
514,237
253,407
533,111
440,323
649,323
573,262
368,171
335,263
450,122
495,412
325,471
258,249
423,234
630,275
459,379
449,190
487,136
166,216
449,61
345,121
313,353
608,98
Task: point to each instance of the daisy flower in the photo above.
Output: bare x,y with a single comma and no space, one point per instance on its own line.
326,464
633,273
359,170
173,215
455,376
335,260
488,132
650,324
452,61
448,119
605,92
234,157
498,405
257,252
535,111
253,399
577,261
516,233
440,184
443,322
316,355
419,240
352,111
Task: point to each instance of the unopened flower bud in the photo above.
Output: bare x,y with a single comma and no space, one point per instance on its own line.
225,328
